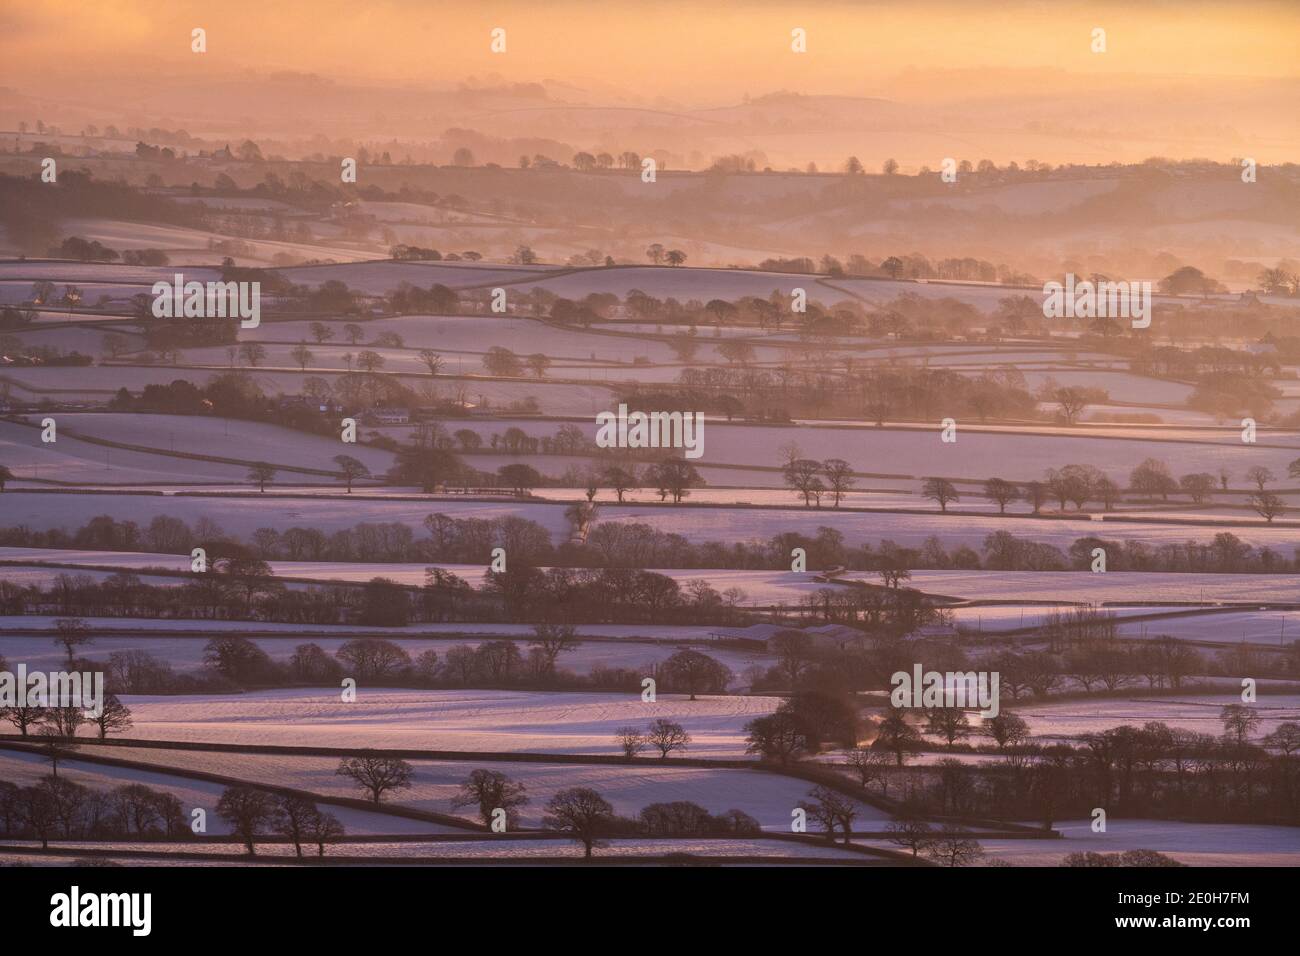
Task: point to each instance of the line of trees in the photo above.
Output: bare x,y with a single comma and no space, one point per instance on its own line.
1153,771
58,808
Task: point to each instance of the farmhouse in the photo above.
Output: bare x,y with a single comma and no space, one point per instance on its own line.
387,416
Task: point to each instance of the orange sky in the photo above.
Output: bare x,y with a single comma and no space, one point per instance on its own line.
698,53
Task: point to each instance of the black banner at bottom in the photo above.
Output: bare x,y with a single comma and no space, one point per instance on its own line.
231,905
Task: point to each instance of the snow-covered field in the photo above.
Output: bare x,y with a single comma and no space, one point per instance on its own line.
1276,628
501,848
1009,617
476,720
760,587
244,515
192,245
25,769
745,501
98,383
768,797
720,524
185,654
1111,587
21,624
218,437
1196,844
1014,452
1189,712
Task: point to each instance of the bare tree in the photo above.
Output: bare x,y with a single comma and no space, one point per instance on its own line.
1260,477
940,490
793,654
377,774
952,847
895,735
261,473
71,633
324,828
249,811
1072,402
490,791
621,480
295,819
23,717
553,640
38,810
631,740
1006,728
666,736
432,361
351,469
581,812
831,810
839,477
915,835
802,475
871,765
1267,504
1239,723
1001,491
950,723
115,715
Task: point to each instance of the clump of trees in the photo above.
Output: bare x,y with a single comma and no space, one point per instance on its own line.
57,808
590,821
251,812
1152,771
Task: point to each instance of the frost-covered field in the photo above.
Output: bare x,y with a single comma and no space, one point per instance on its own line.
1015,453
193,245
1189,712
452,334
245,514
25,769
759,587
186,653
218,437
1014,616
1196,844
721,524
384,276
20,624
503,848
82,273
98,383
768,797
1112,587
72,461
1276,628
477,720
980,454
